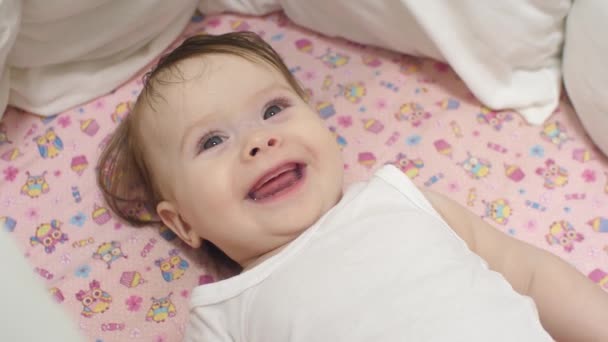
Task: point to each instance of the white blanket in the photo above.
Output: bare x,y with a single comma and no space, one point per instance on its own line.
60,53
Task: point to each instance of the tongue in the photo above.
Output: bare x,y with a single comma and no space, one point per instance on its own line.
278,183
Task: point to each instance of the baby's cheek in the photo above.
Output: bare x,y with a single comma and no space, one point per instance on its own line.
204,213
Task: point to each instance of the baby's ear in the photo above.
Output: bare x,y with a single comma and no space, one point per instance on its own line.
172,219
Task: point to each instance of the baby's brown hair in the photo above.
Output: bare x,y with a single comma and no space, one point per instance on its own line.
123,173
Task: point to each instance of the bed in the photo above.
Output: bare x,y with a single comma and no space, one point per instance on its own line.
544,184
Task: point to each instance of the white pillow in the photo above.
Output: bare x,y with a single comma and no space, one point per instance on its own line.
585,66
69,52
507,52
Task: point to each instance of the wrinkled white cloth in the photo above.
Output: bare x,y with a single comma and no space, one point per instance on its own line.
585,67
57,54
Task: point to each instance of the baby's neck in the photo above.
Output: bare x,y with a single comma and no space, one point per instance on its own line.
259,259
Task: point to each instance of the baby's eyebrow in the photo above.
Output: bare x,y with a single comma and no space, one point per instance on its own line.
268,90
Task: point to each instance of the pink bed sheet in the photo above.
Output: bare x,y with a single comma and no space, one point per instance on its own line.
545,185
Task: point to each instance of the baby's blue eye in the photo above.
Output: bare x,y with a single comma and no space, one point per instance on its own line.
272,111
212,142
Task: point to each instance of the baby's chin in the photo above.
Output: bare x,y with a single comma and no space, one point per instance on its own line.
286,226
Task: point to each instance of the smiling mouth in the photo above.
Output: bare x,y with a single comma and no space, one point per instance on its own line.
277,182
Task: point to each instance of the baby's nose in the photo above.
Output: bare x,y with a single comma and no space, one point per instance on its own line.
260,144
270,143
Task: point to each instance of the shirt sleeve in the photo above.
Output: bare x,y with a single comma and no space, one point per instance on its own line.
401,182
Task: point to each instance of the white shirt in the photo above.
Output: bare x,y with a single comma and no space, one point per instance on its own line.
380,266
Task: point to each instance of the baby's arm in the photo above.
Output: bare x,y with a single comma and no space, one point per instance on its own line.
571,307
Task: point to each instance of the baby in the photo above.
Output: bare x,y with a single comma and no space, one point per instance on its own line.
226,149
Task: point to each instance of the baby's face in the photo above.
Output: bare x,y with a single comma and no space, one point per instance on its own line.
244,161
